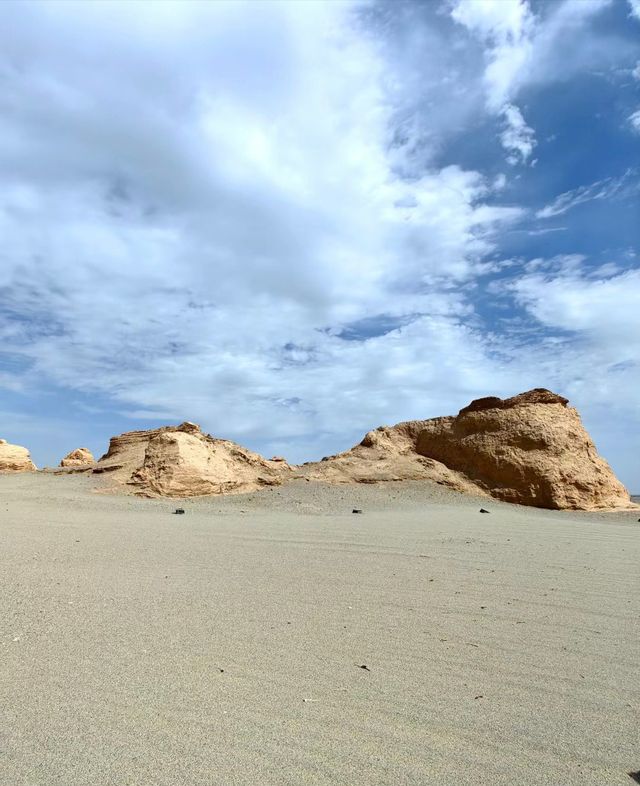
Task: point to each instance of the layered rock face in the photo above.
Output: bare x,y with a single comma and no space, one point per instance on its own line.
181,461
530,449
80,457
14,458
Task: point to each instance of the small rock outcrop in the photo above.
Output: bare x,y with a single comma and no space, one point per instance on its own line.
531,449
80,457
14,458
182,461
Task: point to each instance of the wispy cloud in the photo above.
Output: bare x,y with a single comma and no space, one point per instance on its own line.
609,188
517,137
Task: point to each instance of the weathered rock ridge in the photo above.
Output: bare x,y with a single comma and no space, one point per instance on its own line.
530,449
80,457
14,458
181,461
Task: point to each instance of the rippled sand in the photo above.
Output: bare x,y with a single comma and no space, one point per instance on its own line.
229,645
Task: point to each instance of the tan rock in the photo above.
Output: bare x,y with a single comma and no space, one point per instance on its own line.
387,453
80,457
530,449
14,458
181,461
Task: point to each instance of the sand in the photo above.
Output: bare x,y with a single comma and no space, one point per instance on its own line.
226,646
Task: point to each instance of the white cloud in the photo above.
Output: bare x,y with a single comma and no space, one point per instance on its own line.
517,137
634,119
635,8
507,28
523,49
609,188
209,209
195,227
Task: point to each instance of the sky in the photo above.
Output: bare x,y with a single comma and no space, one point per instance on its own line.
292,222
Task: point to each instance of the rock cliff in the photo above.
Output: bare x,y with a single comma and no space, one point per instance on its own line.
14,458
181,461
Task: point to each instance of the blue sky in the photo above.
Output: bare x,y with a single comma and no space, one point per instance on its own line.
293,222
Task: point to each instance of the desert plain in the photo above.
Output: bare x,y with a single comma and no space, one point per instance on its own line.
276,637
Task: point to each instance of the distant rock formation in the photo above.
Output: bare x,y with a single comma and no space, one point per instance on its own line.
80,457
530,449
181,461
14,458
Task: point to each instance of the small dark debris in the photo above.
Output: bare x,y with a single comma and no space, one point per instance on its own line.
478,697
483,607
356,510
482,510
221,671
363,666
178,512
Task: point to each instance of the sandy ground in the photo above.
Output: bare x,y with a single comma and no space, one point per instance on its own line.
227,646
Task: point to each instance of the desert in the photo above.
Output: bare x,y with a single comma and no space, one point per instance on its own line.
319,373
275,637
377,617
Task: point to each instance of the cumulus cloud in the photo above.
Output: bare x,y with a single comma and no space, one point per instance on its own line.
634,5
210,210
234,213
634,120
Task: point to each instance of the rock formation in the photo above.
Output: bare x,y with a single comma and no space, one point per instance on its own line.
14,458
80,457
181,461
387,454
530,449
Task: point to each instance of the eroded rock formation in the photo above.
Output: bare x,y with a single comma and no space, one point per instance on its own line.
181,461
531,449
14,458
80,457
